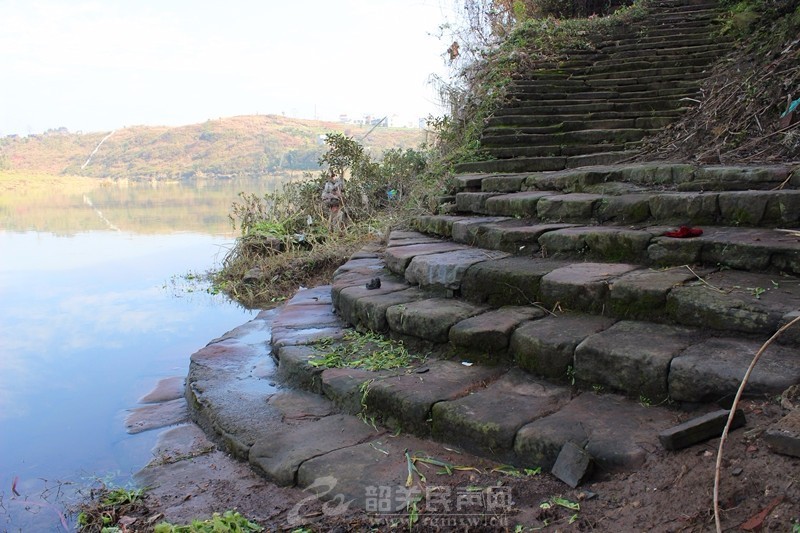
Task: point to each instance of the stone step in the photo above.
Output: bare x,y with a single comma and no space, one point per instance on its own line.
565,108
652,74
512,121
540,164
635,122
662,175
524,93
570,150
613,136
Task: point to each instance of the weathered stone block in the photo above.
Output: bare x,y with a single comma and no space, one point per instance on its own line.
406,400
547,347
280,455
473,202
604,243
699,429
581,286
615,432
573,465
489,332
567,207
398,258
624,209
509,281
642,294
370,310
473,421
444,271
633,357
685,207
430,319
784,436
714,369
521,204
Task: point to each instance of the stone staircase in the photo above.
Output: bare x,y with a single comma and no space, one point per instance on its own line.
594,107
536,290
549,305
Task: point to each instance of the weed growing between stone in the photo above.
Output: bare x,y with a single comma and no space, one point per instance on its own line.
229,521
367,351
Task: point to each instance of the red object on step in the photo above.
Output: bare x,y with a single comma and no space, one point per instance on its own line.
684,232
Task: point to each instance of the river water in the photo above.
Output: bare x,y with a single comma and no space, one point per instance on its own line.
98,301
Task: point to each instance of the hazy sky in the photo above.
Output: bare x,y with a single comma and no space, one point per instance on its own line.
96,65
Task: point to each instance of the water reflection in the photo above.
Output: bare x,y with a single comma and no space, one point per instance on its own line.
89,322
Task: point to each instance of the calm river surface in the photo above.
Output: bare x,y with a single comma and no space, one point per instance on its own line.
95,308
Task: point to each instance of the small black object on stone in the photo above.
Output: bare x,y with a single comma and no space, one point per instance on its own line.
374,283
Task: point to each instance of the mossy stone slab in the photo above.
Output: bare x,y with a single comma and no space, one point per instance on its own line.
444,271
601,242
581,286
405,401
713,370
430,319
521,204
490,332
509,281
615,432
633,357
370,309
642,294
735,301
546,347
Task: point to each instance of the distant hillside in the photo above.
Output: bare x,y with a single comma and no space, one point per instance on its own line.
238,146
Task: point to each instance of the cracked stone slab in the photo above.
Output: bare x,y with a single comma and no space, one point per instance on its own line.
714,369
473,422
280,455
633,357
730,300
616,432
406,400
490,332
430,319
398,258
581,286
444,271
546,347
509,281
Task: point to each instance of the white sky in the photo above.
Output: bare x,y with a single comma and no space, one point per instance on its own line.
97,65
